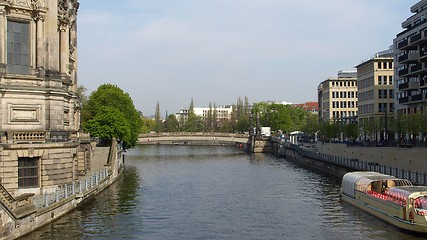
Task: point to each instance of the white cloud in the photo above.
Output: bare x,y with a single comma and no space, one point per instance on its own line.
218,50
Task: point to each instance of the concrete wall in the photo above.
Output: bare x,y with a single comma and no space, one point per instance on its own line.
413,159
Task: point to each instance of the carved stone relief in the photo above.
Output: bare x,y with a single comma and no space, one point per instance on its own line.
27,4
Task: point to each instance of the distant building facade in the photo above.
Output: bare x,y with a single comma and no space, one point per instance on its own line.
221,113
337,97
376,92
39,106
410,49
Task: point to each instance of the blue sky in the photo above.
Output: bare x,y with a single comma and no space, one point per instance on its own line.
170,51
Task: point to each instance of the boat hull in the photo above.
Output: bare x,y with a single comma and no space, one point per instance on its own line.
394,220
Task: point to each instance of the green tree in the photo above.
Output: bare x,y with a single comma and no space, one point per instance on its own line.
215,118
106,98
311,124
109,123
210,119
242,124
157,119
147,125
351,131
194,123
280,117
171,124
260,110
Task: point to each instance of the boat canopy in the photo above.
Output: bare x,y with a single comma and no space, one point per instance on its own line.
408,190
361,181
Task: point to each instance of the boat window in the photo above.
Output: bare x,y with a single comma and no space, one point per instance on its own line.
421,203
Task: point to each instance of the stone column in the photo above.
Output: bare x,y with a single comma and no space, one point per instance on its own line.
40,44
3,23
64,49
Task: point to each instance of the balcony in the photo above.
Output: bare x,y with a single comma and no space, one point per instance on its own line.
403,86
417,98
403,72
408,57
27,137
413,70
416,68
403,100
415,38
422,39
22,137
401,45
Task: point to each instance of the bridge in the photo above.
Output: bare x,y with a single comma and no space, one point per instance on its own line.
193,138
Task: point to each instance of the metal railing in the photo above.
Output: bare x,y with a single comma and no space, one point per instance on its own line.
70,190
417,178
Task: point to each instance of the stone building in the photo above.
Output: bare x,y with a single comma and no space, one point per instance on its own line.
39,107
337,97
375,94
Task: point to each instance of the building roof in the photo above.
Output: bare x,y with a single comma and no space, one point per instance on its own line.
309,106
386,54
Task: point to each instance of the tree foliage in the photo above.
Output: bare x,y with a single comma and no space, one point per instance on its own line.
157,119
287,118
171,124
147,125
109,123
98,112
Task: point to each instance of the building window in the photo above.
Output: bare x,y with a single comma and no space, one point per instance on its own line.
18,47
390,65
379,65
28,172
380,80
380,93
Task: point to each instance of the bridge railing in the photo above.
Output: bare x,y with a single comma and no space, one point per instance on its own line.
214,134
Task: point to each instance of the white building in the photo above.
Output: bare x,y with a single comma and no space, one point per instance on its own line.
221,113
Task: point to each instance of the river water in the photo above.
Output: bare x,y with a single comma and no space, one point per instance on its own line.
193,192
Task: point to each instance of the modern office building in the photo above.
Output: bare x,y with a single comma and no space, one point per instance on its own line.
410,50
375,92
337,97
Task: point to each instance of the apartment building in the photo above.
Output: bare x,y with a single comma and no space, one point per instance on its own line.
337,97
410,50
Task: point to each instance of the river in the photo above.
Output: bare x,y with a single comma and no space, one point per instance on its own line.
193,192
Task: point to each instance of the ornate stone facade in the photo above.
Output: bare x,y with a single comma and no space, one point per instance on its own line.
39,106
44,97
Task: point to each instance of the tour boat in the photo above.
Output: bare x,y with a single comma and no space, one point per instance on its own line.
392,199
